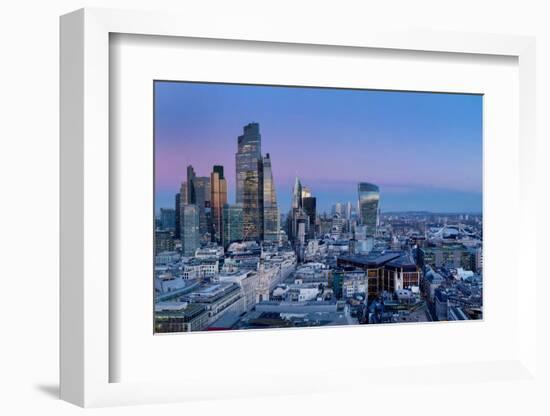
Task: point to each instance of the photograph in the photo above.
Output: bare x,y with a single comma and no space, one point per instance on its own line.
281,207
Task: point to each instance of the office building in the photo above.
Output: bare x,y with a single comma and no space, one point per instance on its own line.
190,237
369,198
201,191
249,181
232,221
177,216
190,185
163,241
167,218
386,271
309,204
348,211
218,198
271,224
451,256
298,220
198,193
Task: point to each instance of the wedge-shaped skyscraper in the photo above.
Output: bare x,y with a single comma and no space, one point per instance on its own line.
271,217
369,198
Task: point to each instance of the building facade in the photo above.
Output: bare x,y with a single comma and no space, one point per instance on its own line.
369,197
249,180
271,219
201,185
218,198
177,216
232,223
163,241
167,218
310,208
190,237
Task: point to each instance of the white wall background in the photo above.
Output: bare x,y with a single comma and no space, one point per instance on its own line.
29,56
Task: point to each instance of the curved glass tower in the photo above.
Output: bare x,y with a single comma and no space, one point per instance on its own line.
369,198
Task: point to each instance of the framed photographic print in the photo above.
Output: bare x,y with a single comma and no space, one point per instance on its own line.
281,212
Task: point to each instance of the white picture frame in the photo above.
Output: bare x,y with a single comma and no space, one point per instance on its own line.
86,353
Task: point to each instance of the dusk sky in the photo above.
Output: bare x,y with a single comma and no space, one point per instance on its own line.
423,150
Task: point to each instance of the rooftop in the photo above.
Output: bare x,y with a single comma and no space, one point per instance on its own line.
212,292
378,259
170,309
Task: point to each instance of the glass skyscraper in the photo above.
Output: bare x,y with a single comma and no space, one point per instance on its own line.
190,239
232,223
310,207
167,218
218,197
249,153
190,189
369,198
248,163
177,222
253,205
271,218
298,221
201,191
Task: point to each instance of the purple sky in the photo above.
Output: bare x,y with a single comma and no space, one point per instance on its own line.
424,150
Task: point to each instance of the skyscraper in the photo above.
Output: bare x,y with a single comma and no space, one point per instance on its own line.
218,197
201,190
181,200
167,218
297,194
253,206
298,221
249,172
163,241
348,210
177,223
190,185
249,152
369,198
271,224
232,223
190,239
310,207
184,196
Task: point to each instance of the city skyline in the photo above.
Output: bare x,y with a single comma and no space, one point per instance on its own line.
240,250
195,135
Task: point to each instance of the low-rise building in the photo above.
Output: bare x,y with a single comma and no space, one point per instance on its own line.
247,281
180,317
386,271
200,268
431,281
207,252
167,257
355,282
450,255
218,298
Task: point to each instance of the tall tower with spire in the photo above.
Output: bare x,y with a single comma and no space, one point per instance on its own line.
297,194
298,221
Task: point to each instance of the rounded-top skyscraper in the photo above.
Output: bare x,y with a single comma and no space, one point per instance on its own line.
369,199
